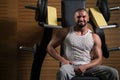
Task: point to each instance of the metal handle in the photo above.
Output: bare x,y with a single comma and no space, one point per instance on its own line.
26,49
115,8
109,26
114,49
31,7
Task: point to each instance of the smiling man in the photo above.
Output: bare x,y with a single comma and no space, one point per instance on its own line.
78,43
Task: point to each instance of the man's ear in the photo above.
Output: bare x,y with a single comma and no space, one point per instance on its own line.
88,21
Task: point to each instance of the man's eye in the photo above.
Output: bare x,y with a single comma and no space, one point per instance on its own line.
84,16
78,17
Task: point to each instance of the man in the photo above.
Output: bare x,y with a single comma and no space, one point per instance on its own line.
78,43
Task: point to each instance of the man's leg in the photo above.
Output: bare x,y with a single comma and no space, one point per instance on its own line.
103,72
66,72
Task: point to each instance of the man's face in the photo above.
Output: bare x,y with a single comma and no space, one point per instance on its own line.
81,18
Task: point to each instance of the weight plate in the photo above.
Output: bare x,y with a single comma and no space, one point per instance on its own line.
41,11
37,12
104,8
44,10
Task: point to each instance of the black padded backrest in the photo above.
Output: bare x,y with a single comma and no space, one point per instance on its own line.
68,8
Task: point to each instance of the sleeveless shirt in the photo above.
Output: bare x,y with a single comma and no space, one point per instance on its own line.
77,48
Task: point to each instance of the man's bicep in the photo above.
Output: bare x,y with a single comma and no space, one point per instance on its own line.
56,38
97,46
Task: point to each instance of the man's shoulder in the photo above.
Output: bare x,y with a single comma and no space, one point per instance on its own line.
95,35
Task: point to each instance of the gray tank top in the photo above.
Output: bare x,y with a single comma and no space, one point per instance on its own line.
77,48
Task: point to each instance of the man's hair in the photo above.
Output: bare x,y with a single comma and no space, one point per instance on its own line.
80,9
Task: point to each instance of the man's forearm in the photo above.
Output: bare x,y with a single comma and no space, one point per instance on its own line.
93,63
55,54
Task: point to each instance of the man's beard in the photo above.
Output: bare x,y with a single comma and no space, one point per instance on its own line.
81,25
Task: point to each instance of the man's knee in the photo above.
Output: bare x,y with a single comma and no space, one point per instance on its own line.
111,72
114,72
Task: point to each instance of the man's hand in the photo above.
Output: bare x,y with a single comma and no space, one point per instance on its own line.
66,62
81,69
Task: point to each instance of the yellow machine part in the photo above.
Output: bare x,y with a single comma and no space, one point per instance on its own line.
51,15
97,17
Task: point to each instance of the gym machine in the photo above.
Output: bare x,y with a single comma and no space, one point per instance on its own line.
49,22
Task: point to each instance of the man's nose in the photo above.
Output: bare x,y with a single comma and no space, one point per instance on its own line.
80,19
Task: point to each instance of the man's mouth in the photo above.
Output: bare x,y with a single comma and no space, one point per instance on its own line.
80,22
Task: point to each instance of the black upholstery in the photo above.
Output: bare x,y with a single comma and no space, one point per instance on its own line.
68,8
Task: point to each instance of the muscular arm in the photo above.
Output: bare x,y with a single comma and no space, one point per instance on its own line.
56,40
97,53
